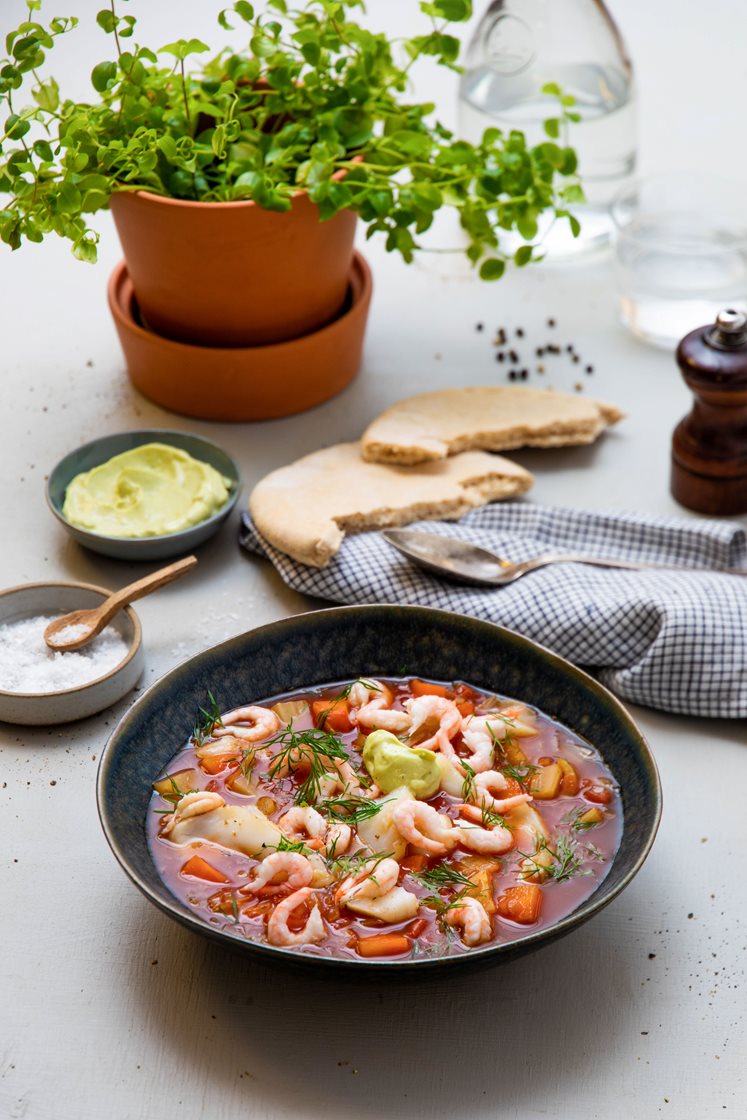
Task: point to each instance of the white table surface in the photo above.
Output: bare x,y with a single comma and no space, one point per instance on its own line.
109,1009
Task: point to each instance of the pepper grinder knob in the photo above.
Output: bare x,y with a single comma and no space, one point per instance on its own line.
709,446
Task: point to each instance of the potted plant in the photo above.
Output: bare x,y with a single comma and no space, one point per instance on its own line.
236,182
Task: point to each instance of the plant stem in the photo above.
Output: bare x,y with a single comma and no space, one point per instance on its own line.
116,35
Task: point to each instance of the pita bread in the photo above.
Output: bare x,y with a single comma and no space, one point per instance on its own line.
434,425
305,509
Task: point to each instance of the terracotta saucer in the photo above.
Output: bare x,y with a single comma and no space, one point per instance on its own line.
250,383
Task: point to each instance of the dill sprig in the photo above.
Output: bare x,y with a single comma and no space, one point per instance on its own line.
350,809
442,906
284,844
520,774
468,785
441,876
342,866
565,862
314,748
207,720
489,819
175,796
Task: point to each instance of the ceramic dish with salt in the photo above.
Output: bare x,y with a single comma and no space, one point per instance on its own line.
40,687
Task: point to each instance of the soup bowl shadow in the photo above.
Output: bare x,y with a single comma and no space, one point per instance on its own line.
371,641
504,1042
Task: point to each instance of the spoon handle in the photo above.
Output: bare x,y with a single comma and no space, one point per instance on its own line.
144,586
628,565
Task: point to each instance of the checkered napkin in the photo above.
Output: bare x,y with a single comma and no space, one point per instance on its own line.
670,640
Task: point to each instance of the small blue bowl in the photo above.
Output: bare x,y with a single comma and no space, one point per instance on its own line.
142,548
347,642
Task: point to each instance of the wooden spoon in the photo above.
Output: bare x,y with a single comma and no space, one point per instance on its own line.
95,619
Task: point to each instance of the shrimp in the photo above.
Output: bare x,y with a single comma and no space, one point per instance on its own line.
296,868
304,822
337,839
422,825
262,721
377,714
479,735
192,805
278,932
362,691
473,920
370,702
423,710
487,841
372,881
485,786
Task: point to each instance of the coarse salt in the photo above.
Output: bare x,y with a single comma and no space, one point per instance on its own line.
27,664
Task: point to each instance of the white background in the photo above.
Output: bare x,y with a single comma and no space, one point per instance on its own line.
107,1008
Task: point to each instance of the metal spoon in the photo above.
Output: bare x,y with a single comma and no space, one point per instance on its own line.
466,563
96,618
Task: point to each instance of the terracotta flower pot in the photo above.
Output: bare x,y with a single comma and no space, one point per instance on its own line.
230,273
247,383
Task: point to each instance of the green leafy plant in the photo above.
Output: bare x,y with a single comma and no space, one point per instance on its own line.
314,102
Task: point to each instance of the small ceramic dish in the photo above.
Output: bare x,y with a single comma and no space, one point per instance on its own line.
142,548
243,383
371,641
44,708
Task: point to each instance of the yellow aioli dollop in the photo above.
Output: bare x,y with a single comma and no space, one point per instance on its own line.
392,765
148,491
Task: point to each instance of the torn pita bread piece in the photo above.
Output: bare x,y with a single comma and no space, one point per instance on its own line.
489,418
306,509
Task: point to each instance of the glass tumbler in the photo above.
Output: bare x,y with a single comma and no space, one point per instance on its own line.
680,255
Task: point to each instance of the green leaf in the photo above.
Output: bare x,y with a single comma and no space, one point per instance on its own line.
245,10
47,95
183,48
262,46
527,227
492,269
102,75
523,255
43,149
456,11
15,127
552,89
552,128
106,20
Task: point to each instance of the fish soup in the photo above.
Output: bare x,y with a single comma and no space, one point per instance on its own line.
384,819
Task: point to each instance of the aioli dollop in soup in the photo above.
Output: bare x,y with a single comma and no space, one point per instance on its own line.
383,819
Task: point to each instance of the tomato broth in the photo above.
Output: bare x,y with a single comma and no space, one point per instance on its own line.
472,819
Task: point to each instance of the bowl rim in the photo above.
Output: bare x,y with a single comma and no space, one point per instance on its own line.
214,519
134,647
493,952
121,295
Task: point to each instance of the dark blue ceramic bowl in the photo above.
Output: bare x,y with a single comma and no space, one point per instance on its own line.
347,642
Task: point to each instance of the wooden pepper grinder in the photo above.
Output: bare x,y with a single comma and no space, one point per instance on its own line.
709,447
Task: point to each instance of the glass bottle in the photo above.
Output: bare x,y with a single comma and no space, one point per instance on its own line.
520,46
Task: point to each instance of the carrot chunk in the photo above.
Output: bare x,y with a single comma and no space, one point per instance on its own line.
414,863
426,688
521,904
199,868
215,765
383,945
600,795
420,925
332,714
466,708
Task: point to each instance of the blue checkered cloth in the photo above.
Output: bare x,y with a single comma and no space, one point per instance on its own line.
670,640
